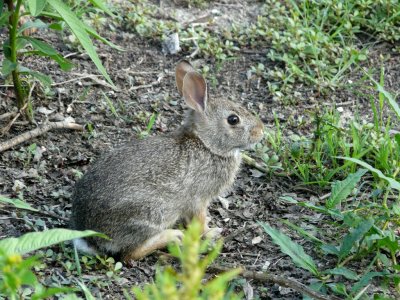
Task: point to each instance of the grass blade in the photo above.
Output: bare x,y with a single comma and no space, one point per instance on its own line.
392,183
294,250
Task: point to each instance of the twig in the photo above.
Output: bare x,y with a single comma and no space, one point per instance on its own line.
196,51
44,213
279,280
38,131
144,86
4,130
87,76
8,115
252,162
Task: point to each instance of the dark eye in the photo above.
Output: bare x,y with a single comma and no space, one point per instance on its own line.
233,119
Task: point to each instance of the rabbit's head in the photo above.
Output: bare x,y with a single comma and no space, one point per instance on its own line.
222,125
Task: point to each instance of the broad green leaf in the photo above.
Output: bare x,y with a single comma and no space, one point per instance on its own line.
78,29
36,6
354,236
342,189
36,240
100,4
17,203
7,67
349,274
392,183
294,250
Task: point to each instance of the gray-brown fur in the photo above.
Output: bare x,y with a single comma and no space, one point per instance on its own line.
137,191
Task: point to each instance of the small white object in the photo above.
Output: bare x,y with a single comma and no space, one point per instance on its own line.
224,202
256,240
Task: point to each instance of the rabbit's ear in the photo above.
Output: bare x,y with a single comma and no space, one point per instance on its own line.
194,90
181,70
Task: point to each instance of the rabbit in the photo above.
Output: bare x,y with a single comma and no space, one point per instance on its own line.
136,193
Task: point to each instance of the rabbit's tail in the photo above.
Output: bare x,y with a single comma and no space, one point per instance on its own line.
82,246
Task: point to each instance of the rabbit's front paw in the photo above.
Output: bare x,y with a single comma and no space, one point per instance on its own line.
174,236
213,233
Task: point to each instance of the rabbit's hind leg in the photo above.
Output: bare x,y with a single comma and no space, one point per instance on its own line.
158,241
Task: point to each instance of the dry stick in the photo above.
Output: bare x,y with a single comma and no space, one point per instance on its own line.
4,130
8,115
145,86
279,280
38,131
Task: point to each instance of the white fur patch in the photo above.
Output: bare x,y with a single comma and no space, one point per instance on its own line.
82,246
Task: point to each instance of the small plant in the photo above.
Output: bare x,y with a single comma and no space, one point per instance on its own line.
188,283
18,45
369,234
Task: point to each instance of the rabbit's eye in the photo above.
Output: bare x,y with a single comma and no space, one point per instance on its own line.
233,119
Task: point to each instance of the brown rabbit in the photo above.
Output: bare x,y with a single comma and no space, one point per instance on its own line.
135,194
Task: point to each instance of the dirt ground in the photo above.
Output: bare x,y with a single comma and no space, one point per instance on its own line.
144,77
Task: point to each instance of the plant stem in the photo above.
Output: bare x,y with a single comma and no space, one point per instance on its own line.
13,24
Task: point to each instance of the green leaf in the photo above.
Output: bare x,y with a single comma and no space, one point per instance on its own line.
294,250
366,279
100,4
354,236
36,240
389,97
93,33
334,213
17,203
44,79
392,183
342,189
46,293
78,29
4,17
86,291
39,45
36,6
7,67
349,274
330,249
397,139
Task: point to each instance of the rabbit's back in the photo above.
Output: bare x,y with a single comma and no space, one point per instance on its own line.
156,180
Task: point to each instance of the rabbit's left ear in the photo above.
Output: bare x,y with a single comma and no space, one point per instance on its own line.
182,68
194,91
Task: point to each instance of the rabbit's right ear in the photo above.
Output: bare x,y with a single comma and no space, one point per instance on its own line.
191,85
194,91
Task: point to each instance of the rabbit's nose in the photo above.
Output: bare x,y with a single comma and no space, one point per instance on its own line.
258,131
